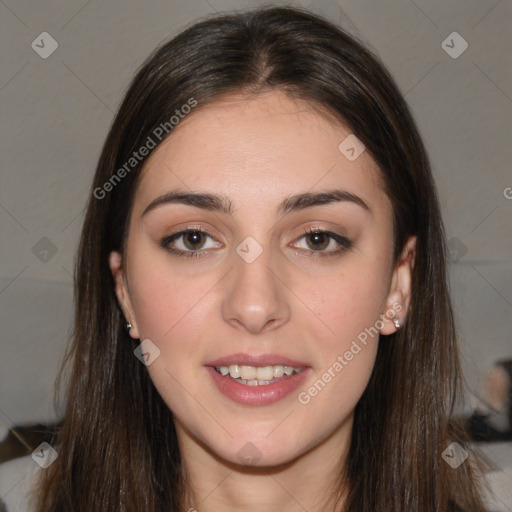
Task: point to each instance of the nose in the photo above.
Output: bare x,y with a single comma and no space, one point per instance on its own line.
255,295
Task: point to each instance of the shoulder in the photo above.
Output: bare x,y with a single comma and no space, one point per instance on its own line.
17,479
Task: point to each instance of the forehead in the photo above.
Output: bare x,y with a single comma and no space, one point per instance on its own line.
258,149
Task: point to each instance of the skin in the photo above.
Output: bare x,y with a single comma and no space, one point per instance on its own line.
259,150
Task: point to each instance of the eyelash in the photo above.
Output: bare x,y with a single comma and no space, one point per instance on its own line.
344,243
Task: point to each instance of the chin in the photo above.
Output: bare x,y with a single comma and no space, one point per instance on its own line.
258,451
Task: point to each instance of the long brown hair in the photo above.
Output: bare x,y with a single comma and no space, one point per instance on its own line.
117,448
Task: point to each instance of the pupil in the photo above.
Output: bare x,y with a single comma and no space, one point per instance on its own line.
193,239
318,237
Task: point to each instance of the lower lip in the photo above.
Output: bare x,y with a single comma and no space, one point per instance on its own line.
257,395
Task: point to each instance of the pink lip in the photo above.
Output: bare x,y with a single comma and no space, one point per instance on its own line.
256,395
261,360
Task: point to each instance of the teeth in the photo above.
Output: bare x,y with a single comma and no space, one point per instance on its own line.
248,372
265,372
254,382
256,375
234,371
278,371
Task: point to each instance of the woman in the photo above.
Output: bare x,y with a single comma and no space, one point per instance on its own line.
262,314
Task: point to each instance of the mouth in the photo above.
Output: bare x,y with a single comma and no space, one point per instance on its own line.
257,380
257,375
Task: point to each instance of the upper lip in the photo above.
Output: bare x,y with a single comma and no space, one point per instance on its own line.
253,360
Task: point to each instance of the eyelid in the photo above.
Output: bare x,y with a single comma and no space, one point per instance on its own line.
166,241
343,242
193,228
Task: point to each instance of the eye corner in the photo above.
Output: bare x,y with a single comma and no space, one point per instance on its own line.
343,242
166,242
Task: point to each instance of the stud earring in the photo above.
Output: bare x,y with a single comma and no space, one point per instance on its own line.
128,326
397,323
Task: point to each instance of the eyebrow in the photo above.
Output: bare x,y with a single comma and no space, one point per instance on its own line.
308,200
222,204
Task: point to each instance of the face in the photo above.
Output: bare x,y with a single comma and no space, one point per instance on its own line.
251,271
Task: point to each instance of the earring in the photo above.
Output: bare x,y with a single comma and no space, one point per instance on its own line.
397,323
128,326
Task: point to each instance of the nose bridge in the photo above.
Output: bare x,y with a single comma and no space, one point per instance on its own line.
254,297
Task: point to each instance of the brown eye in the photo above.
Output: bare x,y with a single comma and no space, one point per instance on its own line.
317,241
322,243
192,242
193,239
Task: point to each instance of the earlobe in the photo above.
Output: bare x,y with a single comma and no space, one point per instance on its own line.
115,261
399,297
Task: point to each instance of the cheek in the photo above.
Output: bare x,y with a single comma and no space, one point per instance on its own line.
345,327
173,310
165,299
347,340
345,304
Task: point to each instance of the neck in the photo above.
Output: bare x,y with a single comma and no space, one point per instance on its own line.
307,482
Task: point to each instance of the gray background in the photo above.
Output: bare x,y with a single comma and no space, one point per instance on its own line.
56,113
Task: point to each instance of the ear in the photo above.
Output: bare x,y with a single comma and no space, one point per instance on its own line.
399,297
115,261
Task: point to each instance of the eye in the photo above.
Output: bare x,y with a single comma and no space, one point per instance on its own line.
192,242
320,241
189,242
